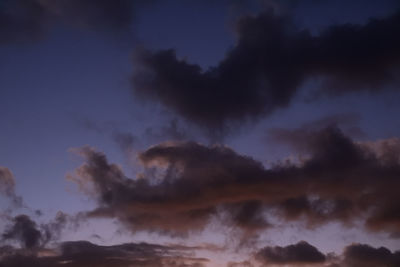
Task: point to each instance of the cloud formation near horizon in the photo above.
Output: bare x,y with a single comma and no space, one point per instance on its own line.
31,236
302,253
269,63
186,185
84,253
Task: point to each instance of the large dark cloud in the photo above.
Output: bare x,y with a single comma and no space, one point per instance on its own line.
171,198
28,20
185,185
301,252
84,253
270,62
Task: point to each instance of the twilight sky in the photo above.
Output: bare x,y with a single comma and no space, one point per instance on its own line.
200,133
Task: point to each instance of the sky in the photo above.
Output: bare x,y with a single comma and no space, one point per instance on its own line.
199,133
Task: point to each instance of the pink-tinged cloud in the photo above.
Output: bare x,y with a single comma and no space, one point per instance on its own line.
185,185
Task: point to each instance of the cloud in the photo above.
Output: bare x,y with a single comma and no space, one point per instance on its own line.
186,185
21,20
299,253
24,230
269,63
7,186
300,139
30,20
102,14
32,236
84,253
51,231
167,203
360,255
129,142
240,264
354,255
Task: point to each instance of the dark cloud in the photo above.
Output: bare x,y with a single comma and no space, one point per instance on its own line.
28,20
248,214
300,138
361,255
25,231
344,166
83,253
171,198
32,236
185,185
301,252
268,65
21,20
355,255
51,231
100,14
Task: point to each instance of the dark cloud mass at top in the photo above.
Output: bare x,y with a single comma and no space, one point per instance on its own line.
21,20
30,20
269,63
